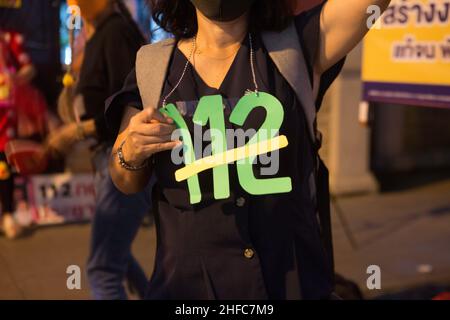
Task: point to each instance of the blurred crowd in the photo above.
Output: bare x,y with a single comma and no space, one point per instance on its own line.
75,138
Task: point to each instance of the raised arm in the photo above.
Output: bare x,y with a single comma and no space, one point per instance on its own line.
343,24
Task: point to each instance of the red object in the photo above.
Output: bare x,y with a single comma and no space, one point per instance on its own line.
31,109
14,54
8,125
442,296
27,117
28,157
23,110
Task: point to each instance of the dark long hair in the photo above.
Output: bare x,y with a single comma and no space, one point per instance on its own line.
179,17
123,10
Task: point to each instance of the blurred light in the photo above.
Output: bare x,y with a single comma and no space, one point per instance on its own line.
158,34
67,56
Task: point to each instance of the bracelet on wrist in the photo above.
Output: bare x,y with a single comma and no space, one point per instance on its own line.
126,165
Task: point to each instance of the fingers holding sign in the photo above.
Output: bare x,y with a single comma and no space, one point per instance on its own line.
148,132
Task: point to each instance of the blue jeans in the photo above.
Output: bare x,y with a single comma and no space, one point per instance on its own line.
116,222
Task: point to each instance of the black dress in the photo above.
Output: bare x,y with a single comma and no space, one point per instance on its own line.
245,246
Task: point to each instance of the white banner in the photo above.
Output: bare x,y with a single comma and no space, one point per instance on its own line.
53,199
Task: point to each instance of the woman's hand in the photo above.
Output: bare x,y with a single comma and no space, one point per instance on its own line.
148,132
142,133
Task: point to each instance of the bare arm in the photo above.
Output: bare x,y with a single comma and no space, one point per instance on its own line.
343,24
145,133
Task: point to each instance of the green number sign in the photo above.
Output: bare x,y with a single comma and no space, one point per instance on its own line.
210,110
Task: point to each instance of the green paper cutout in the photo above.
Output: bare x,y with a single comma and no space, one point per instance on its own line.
188,150
210,109
272,123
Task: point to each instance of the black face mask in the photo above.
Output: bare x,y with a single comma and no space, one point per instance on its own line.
222,10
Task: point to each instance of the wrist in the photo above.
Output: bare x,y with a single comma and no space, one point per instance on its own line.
127,159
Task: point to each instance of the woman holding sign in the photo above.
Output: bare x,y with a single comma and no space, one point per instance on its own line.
237,217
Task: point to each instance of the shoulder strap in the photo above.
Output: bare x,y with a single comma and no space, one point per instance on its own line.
152,62
285,51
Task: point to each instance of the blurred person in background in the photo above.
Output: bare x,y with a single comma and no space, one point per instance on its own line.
113,38
244,244
16,73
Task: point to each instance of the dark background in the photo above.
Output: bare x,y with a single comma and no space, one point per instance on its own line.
38,21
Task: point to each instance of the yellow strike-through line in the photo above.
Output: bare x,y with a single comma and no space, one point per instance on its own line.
230,156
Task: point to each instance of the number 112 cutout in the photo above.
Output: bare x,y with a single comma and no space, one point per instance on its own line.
210,111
